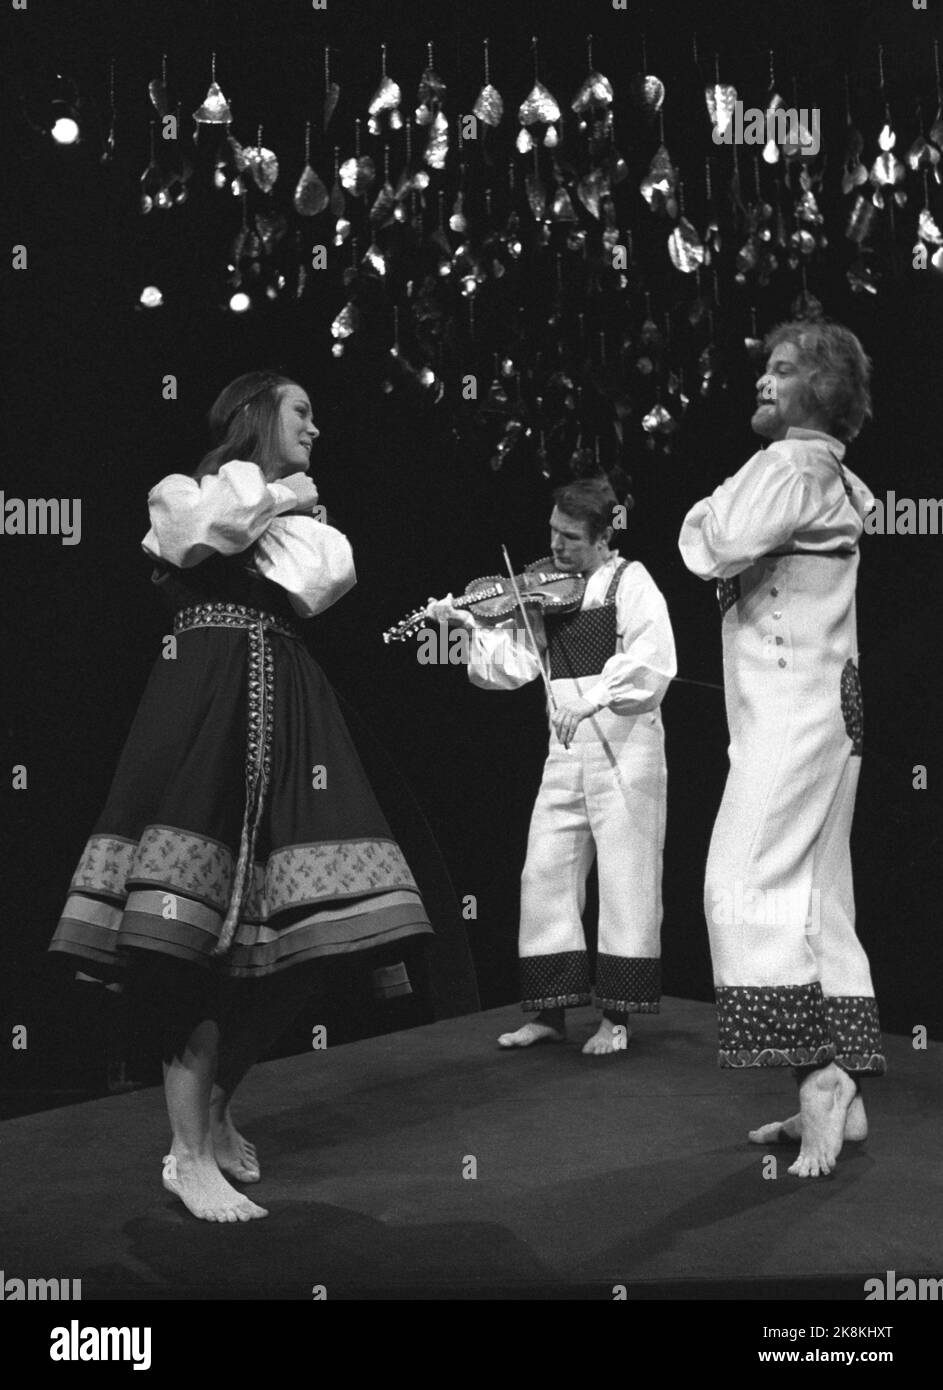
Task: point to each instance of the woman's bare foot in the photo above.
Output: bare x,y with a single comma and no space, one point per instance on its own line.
790,1132
235,1154
531,1033
608,1037
825,1097
204,1191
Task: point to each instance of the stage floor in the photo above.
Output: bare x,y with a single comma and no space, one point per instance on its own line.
590,1173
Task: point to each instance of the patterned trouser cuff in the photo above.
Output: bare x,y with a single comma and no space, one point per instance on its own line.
558,981
628,984
773,1026
856,1030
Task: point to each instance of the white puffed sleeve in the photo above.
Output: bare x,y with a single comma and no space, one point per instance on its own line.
221,514
504,657
752,513
310,560
634,680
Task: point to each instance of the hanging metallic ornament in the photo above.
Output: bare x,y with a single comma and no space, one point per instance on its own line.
311,196
860,219
458,222
374,259
346,322
922,155
595,91
271,230
262,164
525,141
659,421
562,209
157,91
437,147
512,433
854,173
538,105
886,170
431,92
594,99
806,306
385,206
536,193
489,104
215,109
936,130
590,190
660,184
648,92
927,228
356,175
707,366
152,180
806,207
721,100
331,90
862,278
685,247
386,101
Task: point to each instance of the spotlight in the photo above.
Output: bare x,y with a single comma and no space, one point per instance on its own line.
65,129
64,122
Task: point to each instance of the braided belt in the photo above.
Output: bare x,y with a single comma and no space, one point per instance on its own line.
231,615
260,712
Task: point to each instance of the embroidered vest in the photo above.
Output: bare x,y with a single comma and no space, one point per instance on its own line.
580,643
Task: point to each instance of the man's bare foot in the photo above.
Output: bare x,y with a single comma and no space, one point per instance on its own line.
204,1191
608,1037
790,1132
531,1033
235,1154
825,1097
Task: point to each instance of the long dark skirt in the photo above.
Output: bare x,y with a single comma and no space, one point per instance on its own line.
238,719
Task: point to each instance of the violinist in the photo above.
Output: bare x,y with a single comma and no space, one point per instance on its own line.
608,663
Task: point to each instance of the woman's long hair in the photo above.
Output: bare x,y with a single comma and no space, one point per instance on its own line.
243,423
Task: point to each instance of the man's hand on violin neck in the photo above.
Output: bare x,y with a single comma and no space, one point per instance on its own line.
443,610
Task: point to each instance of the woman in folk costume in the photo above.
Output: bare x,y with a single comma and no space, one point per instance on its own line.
604,787
240,843
781,537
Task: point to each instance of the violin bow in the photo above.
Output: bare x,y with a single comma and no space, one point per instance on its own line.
530,631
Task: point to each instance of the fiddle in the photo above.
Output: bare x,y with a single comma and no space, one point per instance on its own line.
491,598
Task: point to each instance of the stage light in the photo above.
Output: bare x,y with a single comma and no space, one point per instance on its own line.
240,302
65,128
151,297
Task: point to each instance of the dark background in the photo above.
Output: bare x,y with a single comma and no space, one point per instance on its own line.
409,482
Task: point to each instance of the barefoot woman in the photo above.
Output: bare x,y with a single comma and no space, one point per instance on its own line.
781,536
240,844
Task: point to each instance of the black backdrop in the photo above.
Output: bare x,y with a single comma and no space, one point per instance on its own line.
84,416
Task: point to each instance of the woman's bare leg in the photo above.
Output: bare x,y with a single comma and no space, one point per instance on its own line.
191,1171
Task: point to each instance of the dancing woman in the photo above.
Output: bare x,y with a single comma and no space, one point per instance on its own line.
241,844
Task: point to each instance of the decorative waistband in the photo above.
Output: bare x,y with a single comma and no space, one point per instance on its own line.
231,615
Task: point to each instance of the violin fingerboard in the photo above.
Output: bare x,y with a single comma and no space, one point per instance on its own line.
406,627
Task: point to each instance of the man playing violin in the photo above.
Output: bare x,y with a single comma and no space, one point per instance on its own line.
604,785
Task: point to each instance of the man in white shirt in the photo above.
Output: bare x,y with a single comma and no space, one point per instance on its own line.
781,537
604,785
